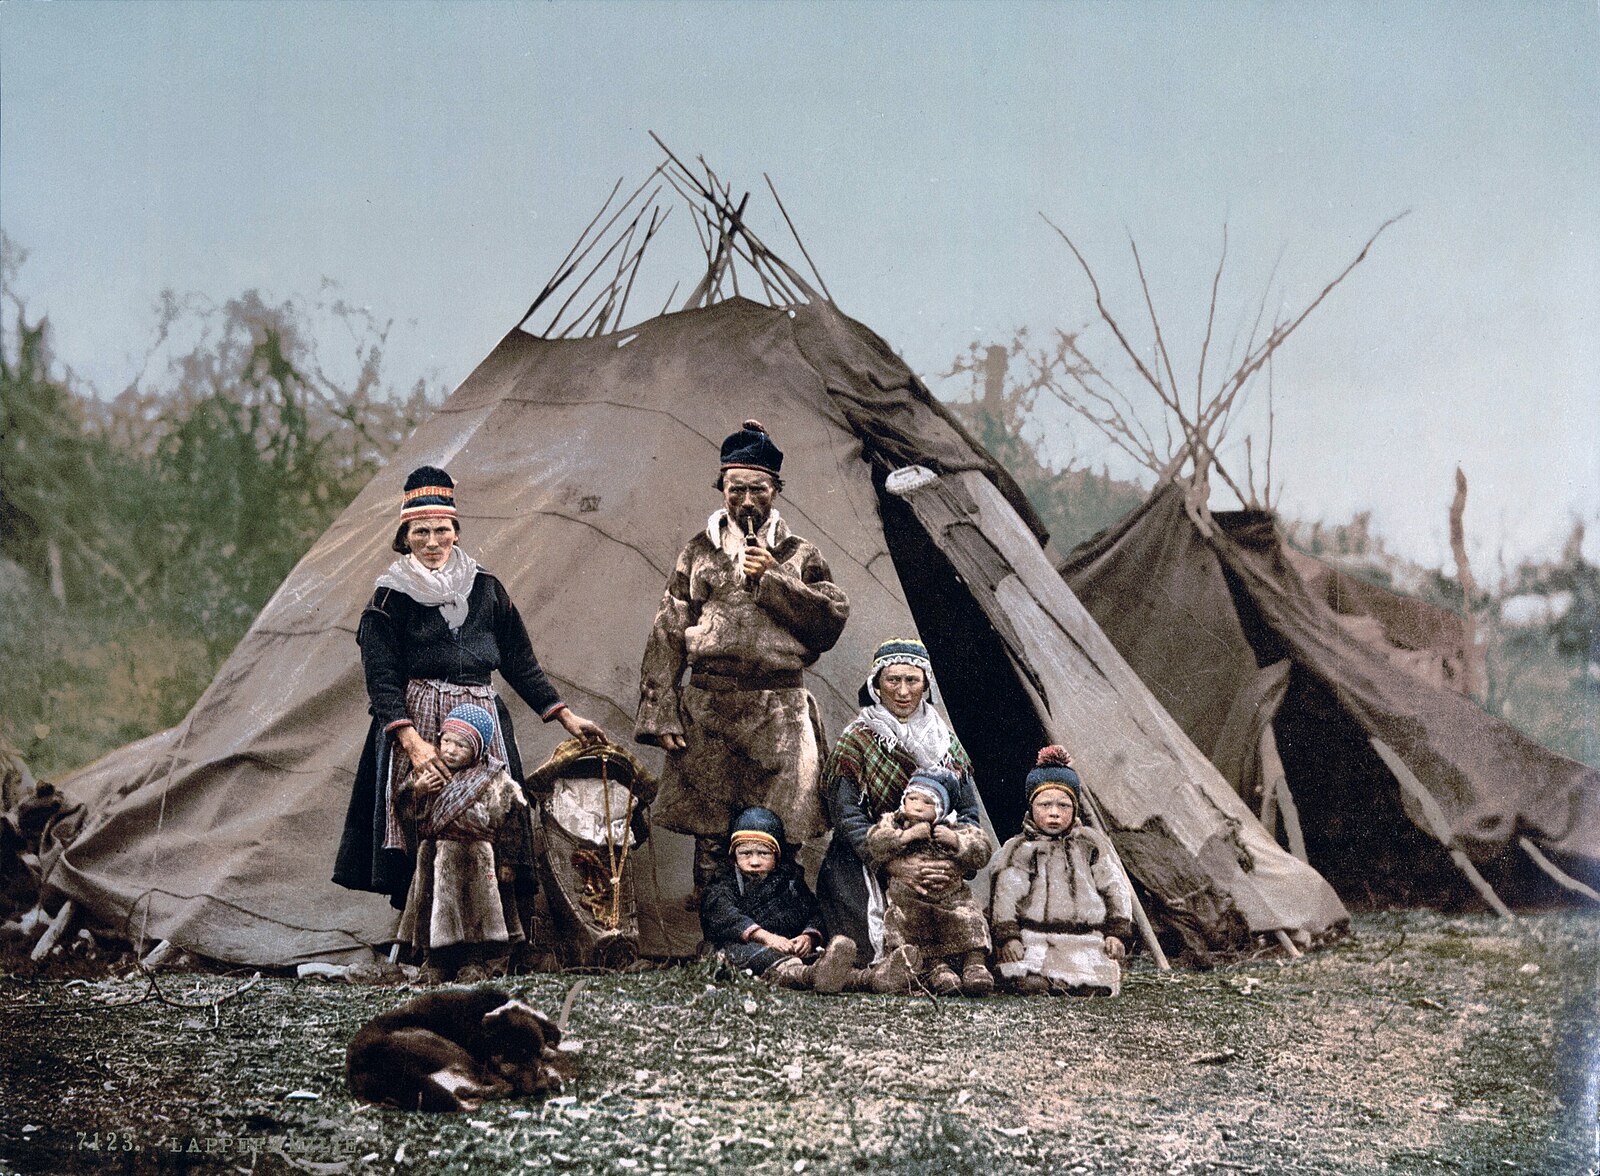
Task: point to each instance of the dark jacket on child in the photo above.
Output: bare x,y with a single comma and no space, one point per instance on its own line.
733,906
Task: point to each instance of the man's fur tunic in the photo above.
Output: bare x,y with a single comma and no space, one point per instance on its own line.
752,731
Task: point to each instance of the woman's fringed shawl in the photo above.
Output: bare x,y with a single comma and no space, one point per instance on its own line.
881,769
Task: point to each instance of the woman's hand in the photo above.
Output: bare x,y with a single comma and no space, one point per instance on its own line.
1114,947
586,730
928,877
428,770
1011,952
673,743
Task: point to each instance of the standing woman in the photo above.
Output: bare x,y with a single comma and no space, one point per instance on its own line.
436,628
896,732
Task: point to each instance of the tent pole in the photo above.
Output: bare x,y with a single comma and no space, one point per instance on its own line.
1147,933
1275,784
1287,944
52,933
1560,876
1438,823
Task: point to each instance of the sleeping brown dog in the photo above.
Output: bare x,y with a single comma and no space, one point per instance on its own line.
448,1051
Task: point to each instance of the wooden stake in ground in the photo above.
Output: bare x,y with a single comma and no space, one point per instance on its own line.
1560,876
1439,824
52,933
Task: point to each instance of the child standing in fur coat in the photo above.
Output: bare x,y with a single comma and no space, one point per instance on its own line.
460,904
945,929
1060,906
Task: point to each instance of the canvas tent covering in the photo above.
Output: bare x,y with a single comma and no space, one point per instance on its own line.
1231,638
583,463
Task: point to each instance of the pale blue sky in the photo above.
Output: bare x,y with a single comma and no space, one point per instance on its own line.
437,160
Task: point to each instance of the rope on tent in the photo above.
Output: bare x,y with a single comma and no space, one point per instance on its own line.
1438,823
1557,874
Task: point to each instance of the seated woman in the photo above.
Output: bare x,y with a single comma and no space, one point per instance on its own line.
896,733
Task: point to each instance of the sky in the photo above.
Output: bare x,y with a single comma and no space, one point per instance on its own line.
437,160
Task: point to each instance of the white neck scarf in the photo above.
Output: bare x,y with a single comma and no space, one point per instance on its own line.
448,587
925,736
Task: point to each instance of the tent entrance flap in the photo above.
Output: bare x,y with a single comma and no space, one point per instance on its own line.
1183,832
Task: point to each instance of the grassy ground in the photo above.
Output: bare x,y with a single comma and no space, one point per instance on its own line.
1422,1044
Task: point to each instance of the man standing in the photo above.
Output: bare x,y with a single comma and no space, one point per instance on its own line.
748,606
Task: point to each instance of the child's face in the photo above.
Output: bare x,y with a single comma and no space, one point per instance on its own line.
754,859
919,807
455,751
1053,810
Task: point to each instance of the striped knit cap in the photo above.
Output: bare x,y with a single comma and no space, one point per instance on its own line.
430,493
472,723
1052,770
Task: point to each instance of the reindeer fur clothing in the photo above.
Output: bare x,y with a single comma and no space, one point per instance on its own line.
949,923
1060,896
456,896
752,732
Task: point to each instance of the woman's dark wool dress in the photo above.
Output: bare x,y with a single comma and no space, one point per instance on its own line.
401,640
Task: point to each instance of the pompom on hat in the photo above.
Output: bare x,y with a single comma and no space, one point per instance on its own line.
751,449
1053,769
430,493
473,723
760,826
936,783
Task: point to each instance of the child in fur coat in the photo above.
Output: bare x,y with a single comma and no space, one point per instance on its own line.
761,915
945,929
1060,906
460,911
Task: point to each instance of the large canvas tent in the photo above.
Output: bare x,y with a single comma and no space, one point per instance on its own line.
1388,766
584,452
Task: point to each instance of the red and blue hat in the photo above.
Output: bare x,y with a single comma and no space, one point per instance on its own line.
430,493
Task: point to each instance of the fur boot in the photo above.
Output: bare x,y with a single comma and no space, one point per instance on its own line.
976,979
829,974
895,972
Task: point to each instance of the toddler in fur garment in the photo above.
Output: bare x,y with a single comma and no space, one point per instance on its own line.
1060,905
943,928
761,915
460,904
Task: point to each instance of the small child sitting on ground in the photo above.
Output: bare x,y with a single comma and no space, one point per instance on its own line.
1060,905
460,911
761,915
943,929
